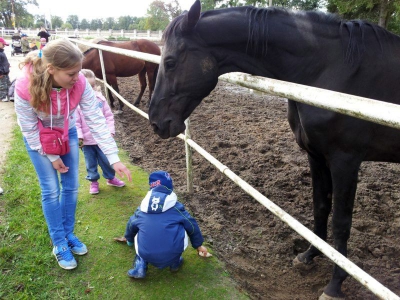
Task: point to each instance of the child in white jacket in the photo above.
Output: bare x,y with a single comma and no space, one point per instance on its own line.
93,155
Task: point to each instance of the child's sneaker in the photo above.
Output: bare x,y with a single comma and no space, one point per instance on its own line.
115,182
76,246
139,268
94,187
64,257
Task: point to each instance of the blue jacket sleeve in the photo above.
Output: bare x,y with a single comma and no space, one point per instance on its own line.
132,228
191,226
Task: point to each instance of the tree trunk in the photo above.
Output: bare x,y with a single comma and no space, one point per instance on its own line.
270,3
383,13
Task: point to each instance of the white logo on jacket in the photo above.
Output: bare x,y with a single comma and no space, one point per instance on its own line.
154,203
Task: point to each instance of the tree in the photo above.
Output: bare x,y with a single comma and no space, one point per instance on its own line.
67,25
108,24
56,22
377,11
157,16
20,11
125,22
209,4
84,24
73,20
174,9
96,24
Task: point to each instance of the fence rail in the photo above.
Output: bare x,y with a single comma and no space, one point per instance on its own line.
90,34
364,108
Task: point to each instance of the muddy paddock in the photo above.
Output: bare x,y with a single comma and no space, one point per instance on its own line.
250,134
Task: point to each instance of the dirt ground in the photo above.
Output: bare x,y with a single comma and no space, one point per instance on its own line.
250,134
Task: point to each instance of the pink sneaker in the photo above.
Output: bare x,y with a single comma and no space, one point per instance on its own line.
115,182
94,187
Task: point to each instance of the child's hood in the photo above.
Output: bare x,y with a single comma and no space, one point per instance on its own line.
158,201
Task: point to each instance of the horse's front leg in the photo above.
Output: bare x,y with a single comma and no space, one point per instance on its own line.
143,85
151,76
344,170
322,200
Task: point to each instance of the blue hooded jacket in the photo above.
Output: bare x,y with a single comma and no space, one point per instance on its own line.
160,223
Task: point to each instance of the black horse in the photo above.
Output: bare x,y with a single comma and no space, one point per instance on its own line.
309,48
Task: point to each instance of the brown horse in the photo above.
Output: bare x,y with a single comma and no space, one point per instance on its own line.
117,65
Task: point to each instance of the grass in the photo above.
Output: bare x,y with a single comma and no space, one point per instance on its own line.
29,271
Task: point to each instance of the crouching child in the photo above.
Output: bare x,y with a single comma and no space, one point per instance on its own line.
160,229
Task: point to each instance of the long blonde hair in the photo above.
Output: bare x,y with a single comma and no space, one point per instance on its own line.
61,54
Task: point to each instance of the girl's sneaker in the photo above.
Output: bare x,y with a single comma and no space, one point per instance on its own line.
76,246
64,257
94,187
115,182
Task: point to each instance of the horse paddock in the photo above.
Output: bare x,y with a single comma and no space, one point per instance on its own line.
250,134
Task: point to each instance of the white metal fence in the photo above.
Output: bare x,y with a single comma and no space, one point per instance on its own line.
367,109
91,34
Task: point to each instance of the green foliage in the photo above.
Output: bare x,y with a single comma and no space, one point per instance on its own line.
300,4
29,271
73,20
56,22
158,17
382,12
67,26
84,24
109,23
96,24
18,7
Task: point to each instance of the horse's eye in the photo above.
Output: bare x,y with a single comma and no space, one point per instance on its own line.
169,65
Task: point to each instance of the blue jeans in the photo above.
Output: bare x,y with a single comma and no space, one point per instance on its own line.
93,157
58,206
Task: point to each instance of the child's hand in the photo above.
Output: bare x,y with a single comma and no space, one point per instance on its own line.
121,239
80,143
203,252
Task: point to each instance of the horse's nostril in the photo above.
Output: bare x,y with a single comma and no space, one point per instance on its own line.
154,126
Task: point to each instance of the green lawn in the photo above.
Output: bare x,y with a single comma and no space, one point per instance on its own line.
29,271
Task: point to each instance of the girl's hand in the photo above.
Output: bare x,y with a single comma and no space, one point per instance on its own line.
59,166
120,168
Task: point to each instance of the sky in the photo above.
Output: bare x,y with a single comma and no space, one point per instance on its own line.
97,9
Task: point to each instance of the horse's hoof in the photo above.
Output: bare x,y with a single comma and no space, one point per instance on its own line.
118,112
326,297
298,264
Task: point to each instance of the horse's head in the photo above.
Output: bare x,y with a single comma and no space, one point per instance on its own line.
188,73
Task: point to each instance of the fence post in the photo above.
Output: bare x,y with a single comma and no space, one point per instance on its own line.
122,33
98,32
87,31
148,33
103,72
189,165
160,34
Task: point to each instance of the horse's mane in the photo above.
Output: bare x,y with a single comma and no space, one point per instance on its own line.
351,31
86,49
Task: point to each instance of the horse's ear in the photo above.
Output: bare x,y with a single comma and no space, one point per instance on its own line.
191,18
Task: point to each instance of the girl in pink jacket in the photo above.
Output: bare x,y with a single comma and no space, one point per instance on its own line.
48,90
93,155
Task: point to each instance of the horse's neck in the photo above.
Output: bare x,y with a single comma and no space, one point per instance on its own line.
279,47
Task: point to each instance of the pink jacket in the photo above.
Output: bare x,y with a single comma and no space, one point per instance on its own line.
81,93
83,129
